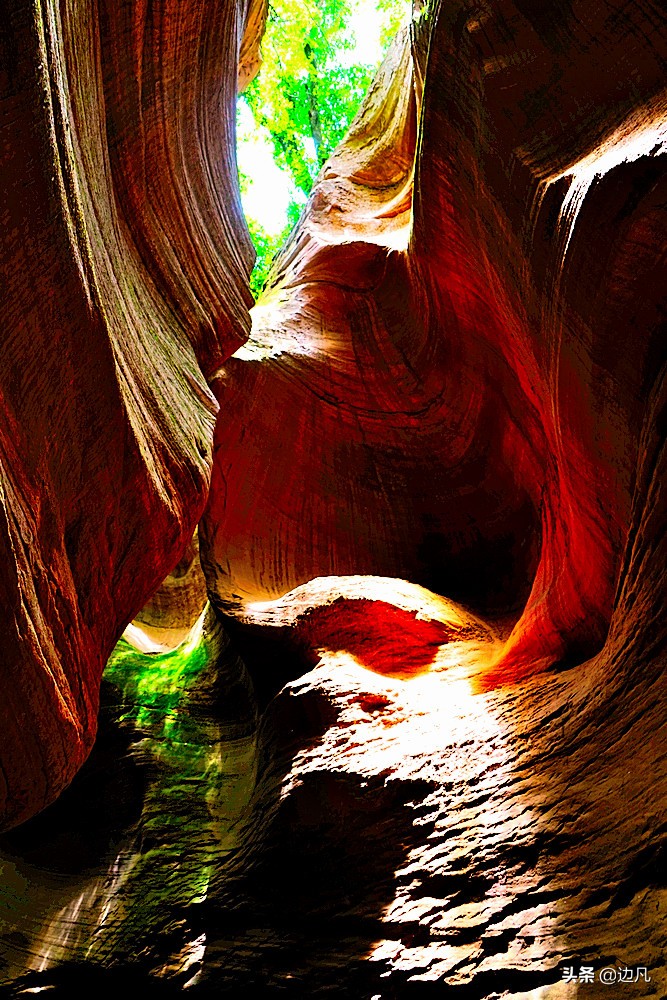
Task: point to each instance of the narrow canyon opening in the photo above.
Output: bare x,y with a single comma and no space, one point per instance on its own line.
317,62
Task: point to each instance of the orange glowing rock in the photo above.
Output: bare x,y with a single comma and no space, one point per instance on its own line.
389,626
434,388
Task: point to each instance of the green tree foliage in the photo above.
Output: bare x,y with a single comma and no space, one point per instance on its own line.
392,13
267,247
308,91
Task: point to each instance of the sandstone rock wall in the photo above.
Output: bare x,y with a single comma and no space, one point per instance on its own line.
454,385
125,261
460,347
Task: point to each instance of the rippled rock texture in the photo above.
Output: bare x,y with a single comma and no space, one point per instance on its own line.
434,532
124,283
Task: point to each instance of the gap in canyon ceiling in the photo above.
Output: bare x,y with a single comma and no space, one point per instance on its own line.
317,62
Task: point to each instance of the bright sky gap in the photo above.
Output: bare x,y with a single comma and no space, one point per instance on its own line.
267,189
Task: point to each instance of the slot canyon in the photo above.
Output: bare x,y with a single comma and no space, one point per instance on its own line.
333,625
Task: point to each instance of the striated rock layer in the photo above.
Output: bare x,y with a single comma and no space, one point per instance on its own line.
456,377
437,386
435,524
125,261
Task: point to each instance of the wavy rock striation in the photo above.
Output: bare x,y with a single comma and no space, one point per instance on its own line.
125,261
456,378
435,523
443,337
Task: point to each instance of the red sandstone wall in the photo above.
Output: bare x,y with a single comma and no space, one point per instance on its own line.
124,261
454,379
450,388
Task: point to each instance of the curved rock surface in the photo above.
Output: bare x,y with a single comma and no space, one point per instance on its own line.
125,261
435,525
461,412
